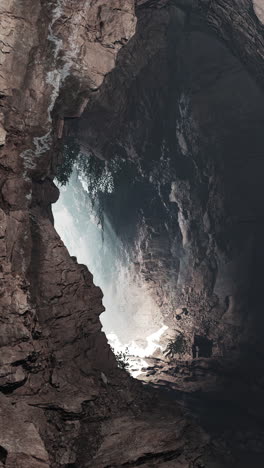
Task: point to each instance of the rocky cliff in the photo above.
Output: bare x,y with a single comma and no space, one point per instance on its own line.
64,402
188,117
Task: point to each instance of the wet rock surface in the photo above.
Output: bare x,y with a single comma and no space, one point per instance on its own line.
193,135
64,402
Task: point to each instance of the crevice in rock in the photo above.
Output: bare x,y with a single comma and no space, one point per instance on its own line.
10,388
170,126
152,457
3,455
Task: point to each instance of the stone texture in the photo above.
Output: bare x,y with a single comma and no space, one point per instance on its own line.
193,135
53,354
259,10
20,440
56,409
161,444
2,135
49,305
202,262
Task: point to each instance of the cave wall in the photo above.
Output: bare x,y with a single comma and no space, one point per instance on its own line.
63,398
189,117
52,348
64,402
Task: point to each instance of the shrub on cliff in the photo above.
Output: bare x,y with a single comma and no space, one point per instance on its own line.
177,346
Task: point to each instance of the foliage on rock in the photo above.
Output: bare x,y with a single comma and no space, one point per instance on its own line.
122,358
176,347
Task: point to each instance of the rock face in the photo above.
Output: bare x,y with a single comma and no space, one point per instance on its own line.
64,402
53,354
189,121
193,132
62,393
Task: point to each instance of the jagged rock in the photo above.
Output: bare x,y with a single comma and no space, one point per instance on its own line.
2,135
41,55
54,56
147,442
20,443
202,261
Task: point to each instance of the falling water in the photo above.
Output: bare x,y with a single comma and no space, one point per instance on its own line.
132,320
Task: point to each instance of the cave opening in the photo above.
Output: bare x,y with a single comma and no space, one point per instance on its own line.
132,321
164,172
145,119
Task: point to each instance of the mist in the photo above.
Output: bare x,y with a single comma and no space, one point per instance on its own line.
132,320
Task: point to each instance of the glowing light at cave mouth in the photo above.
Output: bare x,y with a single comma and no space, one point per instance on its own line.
136,354
132,321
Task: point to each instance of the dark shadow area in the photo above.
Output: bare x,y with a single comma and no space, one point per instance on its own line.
202,347
3,454
187,124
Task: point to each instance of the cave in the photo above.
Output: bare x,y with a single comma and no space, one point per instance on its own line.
131,233
202,347
174,191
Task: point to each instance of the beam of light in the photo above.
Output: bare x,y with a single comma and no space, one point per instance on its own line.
132,321
134,353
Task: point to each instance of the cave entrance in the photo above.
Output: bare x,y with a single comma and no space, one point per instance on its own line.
132,320
202,347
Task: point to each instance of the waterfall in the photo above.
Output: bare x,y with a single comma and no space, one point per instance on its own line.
132,320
